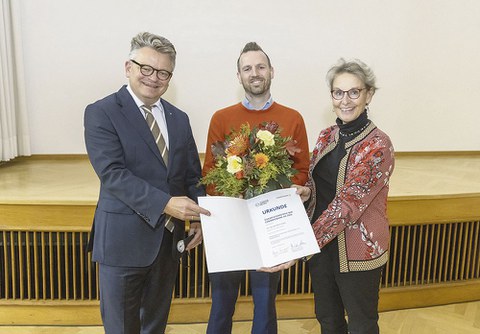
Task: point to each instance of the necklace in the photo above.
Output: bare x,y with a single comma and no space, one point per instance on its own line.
353,134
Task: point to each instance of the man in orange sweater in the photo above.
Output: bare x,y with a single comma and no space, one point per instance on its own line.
255,73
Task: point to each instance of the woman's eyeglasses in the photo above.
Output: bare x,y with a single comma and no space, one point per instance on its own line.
353,93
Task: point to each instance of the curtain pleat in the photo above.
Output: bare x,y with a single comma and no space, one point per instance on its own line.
14,132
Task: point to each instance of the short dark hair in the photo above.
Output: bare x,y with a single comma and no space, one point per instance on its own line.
252,46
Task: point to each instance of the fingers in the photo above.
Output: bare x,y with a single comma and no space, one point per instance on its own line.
300,190
184,208
280,267
203,211
195,228
197,211
271,269
304,192
197,240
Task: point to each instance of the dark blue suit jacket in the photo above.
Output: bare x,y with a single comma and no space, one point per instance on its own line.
135,184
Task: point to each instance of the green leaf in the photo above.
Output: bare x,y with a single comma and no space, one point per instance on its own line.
284,181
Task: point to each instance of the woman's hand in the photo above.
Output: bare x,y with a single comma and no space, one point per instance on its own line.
280,267
304,192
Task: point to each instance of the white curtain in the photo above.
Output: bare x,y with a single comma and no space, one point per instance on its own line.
14,136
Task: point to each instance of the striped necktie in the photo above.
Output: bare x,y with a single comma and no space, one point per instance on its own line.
162,146
157,134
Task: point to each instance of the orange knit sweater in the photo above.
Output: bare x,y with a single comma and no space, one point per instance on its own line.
289,120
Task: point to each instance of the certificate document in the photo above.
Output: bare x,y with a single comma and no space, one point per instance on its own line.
263,231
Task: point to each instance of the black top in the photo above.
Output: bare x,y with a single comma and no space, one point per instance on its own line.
325,172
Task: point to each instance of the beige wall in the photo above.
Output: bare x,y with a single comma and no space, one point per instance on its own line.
425,55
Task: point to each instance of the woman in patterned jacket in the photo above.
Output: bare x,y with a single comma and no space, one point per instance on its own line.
347,191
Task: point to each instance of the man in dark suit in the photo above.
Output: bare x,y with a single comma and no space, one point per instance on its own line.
145,194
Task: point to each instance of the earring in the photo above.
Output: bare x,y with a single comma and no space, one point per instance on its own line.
367,109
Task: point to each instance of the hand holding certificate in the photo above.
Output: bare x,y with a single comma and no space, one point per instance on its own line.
263,231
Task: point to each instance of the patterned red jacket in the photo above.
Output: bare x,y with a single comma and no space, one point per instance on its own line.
357,215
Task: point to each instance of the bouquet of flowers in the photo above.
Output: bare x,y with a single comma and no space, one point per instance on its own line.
252,161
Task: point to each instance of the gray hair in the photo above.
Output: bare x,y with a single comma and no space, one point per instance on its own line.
355,67
156,42
252,46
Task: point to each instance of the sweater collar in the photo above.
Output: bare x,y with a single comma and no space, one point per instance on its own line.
353,128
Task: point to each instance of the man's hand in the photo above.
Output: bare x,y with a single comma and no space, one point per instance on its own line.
280,267
184,208
304,192
195,228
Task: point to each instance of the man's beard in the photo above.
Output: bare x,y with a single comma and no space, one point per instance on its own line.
257,89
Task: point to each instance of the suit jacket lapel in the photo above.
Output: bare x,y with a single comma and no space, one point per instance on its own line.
130,110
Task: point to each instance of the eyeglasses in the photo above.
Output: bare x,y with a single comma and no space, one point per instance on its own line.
148,70
353,93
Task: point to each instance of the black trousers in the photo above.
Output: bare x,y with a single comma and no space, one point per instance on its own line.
137,300
335,293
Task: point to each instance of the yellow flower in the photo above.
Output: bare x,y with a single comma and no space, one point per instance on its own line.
234,164
261,160
266,137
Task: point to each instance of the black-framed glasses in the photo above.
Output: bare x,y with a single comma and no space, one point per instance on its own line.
353,93
148,70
